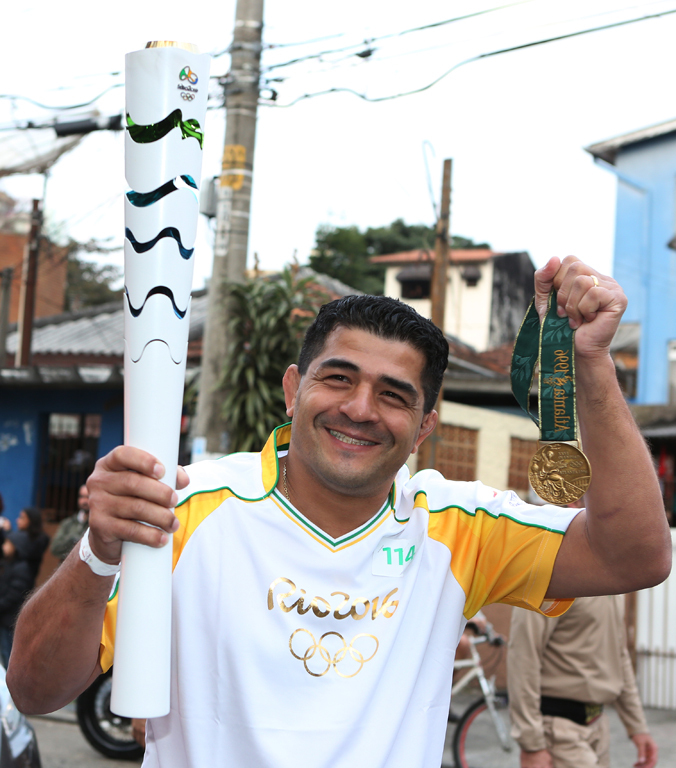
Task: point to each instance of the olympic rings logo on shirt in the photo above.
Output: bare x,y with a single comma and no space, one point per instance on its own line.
325,656
189,75
187,96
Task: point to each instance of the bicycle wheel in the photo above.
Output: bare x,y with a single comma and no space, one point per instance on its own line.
476,743
110,734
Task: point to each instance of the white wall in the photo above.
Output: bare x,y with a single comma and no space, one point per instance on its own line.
494,440
468,308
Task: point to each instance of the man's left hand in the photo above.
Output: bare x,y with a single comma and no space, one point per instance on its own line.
594,303
647,750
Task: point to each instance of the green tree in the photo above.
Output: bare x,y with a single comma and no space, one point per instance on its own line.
269,318
344,252
89,284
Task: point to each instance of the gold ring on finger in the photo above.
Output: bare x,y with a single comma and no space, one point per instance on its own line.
596,282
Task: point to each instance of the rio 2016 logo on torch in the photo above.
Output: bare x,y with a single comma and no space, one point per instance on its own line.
189,75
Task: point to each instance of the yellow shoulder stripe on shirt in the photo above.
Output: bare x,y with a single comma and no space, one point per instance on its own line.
496,559
191,512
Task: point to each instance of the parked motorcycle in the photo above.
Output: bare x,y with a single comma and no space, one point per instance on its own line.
107,732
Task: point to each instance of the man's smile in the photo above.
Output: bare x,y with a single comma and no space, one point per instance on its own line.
349,440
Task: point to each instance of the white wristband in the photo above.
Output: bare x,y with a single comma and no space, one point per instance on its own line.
98,566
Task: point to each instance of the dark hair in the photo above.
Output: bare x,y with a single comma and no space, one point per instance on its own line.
34,521
389,319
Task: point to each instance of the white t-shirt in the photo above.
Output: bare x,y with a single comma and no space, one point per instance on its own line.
291,648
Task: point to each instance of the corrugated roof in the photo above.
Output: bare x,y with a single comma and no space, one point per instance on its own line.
456,255
607,150
95,331
100,330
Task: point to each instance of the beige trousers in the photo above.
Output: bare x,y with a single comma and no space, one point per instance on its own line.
578,746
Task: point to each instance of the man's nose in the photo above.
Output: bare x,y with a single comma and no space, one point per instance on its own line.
360,405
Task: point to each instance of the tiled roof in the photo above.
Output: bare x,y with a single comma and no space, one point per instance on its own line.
457,256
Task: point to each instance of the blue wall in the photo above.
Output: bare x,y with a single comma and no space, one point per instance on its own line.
23,413
643,264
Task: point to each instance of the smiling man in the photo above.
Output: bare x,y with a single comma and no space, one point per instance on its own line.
319,590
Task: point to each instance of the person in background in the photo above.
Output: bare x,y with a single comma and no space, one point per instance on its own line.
16,581
71,529
30,540
561,672
5,524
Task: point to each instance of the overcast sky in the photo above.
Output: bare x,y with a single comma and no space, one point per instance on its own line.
515,125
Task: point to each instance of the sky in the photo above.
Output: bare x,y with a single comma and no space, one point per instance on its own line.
515,124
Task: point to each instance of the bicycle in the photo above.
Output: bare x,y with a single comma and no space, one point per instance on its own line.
481,737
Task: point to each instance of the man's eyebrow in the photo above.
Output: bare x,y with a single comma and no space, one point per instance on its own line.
339,362
403,386
390,381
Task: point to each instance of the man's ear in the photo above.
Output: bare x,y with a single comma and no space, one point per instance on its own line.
429,422
290,383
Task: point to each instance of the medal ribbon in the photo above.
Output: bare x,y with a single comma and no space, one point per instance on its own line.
552,346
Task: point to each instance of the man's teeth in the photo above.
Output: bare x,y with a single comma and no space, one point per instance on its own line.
350,440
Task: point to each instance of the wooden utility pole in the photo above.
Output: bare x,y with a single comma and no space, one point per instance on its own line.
6,277
427,454
28,284
232,215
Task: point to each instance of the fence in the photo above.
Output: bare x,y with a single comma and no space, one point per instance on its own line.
656,642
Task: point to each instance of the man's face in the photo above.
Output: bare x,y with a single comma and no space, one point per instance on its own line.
358,411
83,498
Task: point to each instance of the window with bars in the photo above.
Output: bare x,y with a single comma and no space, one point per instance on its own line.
70,448
521,453
456,452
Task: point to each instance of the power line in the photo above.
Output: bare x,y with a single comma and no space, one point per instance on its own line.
434,82
370,40
12,97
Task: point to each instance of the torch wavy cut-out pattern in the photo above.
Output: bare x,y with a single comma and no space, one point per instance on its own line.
158,289
146,134
144,199
186,253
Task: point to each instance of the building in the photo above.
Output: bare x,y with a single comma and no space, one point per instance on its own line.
65,410
52,262
487,293
644,263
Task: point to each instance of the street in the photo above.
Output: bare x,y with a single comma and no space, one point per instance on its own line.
62,745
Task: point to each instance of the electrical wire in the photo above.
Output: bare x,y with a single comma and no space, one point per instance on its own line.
434,82
268,46
370,40
63,107
435,208
427,49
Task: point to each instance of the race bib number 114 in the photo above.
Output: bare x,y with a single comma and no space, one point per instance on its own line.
393,556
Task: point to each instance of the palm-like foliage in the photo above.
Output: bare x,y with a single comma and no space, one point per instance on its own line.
268,321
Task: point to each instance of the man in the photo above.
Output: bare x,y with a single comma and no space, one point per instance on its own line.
71,529
319,591
560,674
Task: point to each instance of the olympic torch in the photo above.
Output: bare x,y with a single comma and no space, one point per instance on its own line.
166,100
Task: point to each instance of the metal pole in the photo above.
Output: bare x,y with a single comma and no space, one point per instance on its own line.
427,454
441,250
232,217
28,285
6,277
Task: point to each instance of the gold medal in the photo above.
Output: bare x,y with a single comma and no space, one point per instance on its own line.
559,473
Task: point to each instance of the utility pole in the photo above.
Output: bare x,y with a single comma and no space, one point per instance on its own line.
427,454
232,216
6,277
28,284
